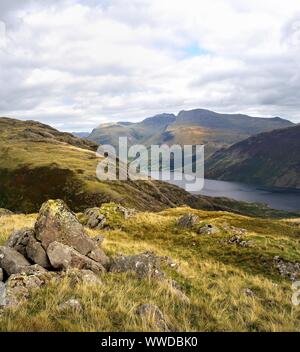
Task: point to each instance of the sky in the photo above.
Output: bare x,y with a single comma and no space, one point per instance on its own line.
74,64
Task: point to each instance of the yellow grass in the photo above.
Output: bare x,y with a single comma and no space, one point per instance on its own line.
213,275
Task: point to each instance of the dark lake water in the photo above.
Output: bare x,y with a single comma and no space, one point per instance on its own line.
281,199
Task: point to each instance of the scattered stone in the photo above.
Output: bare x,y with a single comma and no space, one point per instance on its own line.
19,286
287,269
99,256
1,275
56,223
188,220
248,292
36,253
86,277
235,230
63,257
208,229
151,313
71,305
19,240
12,261
126,212
239,241
145,265
95,220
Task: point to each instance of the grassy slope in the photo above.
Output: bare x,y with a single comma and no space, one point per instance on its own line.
212,274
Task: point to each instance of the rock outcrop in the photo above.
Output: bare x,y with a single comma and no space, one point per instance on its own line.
188,221
11,261
64,257
145,265
57,244
56,223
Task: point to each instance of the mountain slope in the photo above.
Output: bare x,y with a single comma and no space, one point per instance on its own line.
199,126
38,163
146,132
270,159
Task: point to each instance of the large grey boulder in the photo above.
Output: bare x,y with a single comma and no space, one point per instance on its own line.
56,223
12,261
64,257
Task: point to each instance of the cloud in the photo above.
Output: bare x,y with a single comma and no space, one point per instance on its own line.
74,64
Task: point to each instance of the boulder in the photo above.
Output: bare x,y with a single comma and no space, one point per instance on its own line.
86,277
33,269
208,229
145,265
188,221
12,261
94,218
239,241
19,286
126,212
152,315
1,275
64,257
287,269
99,256
56,223
36,253
19,240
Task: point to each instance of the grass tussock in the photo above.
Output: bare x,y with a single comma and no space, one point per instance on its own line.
212,274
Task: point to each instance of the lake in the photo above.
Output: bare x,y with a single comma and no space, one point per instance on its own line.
276,198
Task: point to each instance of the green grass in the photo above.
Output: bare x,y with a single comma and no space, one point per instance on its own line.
213,275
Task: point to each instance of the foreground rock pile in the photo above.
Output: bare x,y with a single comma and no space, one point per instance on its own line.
58,242
58,247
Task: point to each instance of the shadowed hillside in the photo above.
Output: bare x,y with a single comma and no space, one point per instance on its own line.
270,159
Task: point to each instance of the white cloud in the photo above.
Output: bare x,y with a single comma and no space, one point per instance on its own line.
74,63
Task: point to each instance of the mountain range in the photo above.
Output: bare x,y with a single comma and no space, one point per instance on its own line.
214,130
